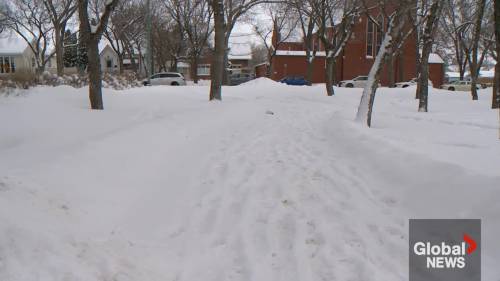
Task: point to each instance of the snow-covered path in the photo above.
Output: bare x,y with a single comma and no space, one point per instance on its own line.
166,186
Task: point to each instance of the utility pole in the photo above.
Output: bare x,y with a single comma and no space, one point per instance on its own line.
149,49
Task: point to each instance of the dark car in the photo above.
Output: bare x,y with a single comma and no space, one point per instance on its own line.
237,79
295,81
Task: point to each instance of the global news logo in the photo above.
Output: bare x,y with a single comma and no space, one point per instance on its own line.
443,255
444,250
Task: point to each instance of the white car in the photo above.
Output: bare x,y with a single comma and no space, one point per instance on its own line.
166,78
358,82
458,86
412,82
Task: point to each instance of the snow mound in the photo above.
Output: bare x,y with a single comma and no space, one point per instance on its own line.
162,181
261,81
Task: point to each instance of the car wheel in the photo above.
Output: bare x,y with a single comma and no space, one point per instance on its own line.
451,89
145,83
349,85
174,84
405,86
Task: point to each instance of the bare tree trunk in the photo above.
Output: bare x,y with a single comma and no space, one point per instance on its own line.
310,67
217,67
474,67
495,101
225,79
59,50
330,69
94,72
423,82
496,89
396,24
194,69
91,40
270,64
427,38
120,63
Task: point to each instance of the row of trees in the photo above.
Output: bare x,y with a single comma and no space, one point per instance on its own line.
461,30
182,29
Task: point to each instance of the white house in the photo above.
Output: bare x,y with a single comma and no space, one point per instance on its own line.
16,57
109,59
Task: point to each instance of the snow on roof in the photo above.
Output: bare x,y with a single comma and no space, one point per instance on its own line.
435,58
240,47
297,53
452,74
487,73
240,57
12,45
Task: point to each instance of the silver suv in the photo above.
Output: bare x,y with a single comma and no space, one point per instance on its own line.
166,78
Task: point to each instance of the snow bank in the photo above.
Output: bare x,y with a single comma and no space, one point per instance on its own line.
164,185
261,82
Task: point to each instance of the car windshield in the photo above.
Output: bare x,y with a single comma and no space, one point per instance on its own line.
361,78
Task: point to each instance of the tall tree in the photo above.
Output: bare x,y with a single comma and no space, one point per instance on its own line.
124,17
394,37
495,103
194,17
284,22
233,11
455,14
474,65
91,31
430,23
307,22
226,14
334,35
217,67
60,12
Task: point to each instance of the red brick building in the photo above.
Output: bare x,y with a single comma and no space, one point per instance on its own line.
356,59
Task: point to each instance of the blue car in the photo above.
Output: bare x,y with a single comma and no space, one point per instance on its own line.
295,81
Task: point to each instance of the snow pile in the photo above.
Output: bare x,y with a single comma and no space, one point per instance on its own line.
261,82
164,185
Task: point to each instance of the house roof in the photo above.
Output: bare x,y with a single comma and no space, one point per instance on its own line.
297,53
12,45
435,58
240,48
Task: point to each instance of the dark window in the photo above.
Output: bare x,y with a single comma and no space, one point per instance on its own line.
369,38
109,63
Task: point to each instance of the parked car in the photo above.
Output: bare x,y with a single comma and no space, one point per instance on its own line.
358,82
237,79
166,78
412,82
458,86
295,81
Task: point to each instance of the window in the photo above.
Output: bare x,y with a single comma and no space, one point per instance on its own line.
7,65
109,63
236,68
203,69
369,38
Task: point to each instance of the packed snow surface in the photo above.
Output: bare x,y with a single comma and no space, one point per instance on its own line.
274,183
